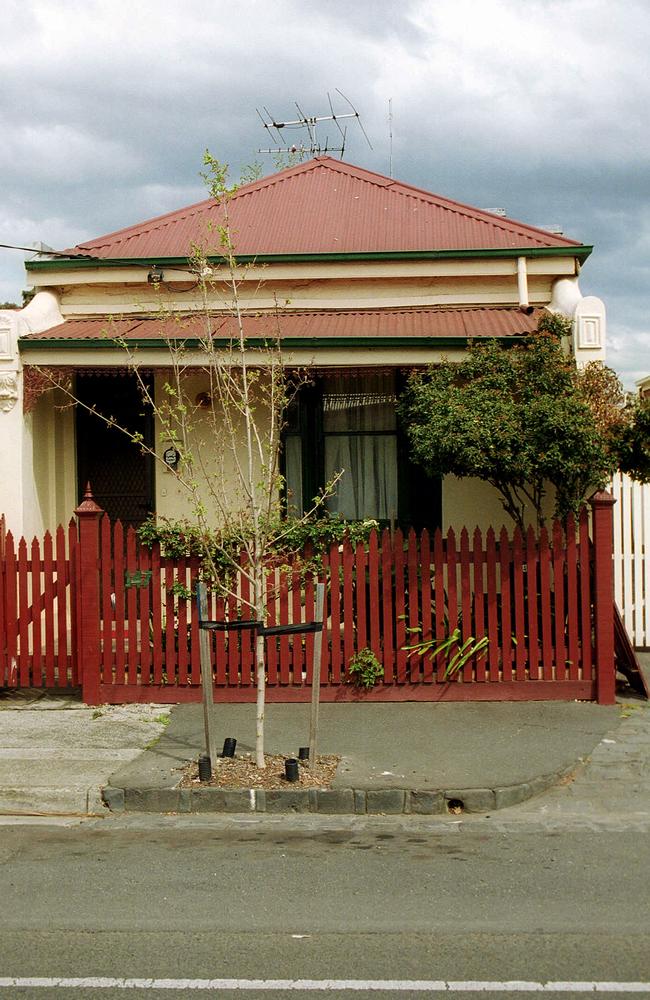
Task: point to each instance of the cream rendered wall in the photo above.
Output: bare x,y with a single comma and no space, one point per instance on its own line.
87,300
53,456
470,503
215,451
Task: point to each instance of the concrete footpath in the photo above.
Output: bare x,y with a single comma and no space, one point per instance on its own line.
56,754
58,757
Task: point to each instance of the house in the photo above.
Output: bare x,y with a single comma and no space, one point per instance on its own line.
373,277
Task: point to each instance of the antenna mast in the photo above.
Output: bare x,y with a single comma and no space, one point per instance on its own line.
309,122
390,136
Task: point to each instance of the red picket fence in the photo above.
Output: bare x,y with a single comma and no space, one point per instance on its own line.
533,614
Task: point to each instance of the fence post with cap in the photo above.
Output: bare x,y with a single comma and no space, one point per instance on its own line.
603,542
88,645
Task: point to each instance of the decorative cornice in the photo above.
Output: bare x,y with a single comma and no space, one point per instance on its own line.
8,391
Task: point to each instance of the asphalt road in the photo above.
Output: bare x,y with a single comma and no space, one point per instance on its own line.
174,901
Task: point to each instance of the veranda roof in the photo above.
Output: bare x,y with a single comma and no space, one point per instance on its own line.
379,327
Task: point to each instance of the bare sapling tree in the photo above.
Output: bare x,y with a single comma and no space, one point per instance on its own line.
228,436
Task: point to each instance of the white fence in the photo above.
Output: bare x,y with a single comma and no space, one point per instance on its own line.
632,556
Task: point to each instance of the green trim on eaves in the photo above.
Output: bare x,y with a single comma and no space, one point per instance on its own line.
85,263
27,345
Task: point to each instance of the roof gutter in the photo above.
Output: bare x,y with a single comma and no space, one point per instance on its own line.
580,251
26,345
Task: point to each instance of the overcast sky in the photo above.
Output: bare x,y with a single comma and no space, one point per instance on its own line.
540,107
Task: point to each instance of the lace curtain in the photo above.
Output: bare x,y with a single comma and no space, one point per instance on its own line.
359,438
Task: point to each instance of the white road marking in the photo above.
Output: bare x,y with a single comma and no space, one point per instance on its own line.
326,985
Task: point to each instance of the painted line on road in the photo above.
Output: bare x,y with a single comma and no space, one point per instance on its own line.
326,985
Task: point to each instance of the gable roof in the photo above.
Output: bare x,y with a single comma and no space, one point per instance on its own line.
325,206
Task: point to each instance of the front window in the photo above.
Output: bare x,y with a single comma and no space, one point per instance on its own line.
344,424
360,441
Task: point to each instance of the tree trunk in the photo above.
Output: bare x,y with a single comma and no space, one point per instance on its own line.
260,668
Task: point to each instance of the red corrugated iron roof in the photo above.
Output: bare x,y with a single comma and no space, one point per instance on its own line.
325,206
367,324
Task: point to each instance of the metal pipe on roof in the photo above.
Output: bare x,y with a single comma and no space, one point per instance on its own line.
522,286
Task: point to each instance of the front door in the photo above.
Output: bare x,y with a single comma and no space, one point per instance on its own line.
119,473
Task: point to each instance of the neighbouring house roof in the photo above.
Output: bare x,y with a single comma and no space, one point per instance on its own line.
325,207
368,326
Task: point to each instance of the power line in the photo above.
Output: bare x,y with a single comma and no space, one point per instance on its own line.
45,251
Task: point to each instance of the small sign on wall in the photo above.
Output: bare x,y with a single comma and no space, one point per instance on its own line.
171,457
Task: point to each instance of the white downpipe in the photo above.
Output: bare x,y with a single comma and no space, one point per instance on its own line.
522,286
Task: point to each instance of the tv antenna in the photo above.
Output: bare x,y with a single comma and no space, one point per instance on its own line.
311,123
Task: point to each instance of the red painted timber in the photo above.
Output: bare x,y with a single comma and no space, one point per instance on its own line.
348,607
247,641
156,614
24,674
387,623
373,616
413,562
297,649
532,563
521,653
361,608
285,649
426,633
4,664
400,607
70,568
506,606
479,601
545,591
467,629
131,607
88,585
195,634
603,538
586,621
573,618
561,667
107,588
271,619
512,691
11,612
144,594
310,611
220,648
48,588
120,612
373,592
37,641
232,641
440,608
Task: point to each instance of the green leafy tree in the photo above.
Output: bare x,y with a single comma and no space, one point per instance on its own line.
632,441
522,418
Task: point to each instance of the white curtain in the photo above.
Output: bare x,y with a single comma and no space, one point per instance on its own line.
355,412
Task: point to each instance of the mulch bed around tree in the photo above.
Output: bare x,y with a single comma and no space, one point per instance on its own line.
241,772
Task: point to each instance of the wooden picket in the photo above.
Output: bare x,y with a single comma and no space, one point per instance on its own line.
632,556
519,615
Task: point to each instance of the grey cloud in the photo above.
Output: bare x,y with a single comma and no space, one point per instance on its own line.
105,113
